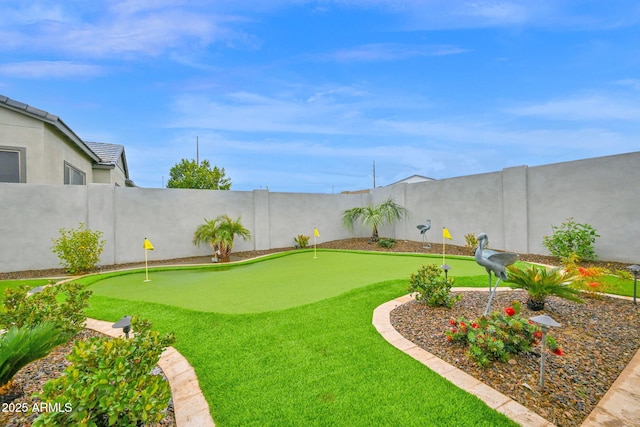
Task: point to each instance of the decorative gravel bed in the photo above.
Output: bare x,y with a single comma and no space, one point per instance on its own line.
599,339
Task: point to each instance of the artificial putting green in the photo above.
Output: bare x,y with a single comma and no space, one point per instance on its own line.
274,284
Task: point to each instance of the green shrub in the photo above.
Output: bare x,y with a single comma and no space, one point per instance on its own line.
21,346
386,243
301,240
78,249
432,287
109,382
62,304
471,242
495,337
572,240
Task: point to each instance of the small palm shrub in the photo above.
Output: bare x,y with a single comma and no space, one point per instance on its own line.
110,382
572,239
301,240
541,282
498,336
62,304
374,216
432,287
386,243
79,249
219,234
20,346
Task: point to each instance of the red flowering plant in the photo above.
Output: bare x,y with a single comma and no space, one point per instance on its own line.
553,346
590,280
495,337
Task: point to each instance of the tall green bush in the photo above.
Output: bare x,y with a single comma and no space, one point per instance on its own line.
21,346
572,240
62,305
110,382
79,249
432,287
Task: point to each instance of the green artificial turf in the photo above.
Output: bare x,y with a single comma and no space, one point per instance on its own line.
321,364
288,340
33,283
272,284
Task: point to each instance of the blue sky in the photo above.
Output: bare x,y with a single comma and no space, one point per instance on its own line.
304,96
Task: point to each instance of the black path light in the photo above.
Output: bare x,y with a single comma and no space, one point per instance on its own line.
635,269
545,323
125,324
423,231
446,268
36,290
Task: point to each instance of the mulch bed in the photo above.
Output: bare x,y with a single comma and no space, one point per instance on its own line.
599,339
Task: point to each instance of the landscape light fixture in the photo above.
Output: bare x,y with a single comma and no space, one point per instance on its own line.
36,290
545,323
125,324
635,269
446,268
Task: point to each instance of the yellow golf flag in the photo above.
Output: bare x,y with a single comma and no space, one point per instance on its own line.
316,233
147,245
446,234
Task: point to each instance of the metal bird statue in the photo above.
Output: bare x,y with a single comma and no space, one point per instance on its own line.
423,230
494,262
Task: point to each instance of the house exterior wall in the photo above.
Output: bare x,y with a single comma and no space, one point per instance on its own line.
516,207
103,176
46,150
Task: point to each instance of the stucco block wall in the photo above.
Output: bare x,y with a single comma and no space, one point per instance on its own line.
516,207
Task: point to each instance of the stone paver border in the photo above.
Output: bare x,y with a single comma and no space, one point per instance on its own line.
619,406
189,405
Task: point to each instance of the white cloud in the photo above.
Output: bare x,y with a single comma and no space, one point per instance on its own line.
583,108
130,28
378,52
50,69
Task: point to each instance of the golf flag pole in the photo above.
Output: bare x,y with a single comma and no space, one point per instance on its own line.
147,246
316,234
445,235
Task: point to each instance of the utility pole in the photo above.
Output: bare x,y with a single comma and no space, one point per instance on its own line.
374,174
197,152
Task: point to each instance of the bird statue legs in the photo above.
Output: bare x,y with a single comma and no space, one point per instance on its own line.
492,292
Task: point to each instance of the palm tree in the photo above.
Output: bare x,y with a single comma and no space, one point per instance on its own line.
219,234
374,216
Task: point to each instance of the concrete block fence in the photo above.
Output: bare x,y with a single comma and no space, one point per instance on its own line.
516,207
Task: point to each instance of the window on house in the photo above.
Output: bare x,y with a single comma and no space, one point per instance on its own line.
73,176
12,164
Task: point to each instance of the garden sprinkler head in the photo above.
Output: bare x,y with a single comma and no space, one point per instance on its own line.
125,324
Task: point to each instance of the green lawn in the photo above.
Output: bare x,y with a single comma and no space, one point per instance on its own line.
297,347
33,283
288,340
